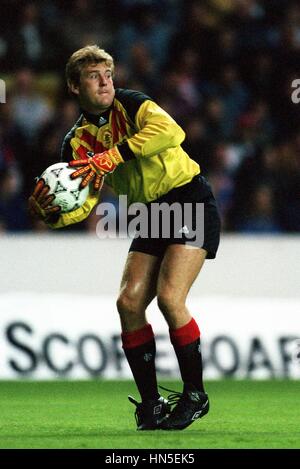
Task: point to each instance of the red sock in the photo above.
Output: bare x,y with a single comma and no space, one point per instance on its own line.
139,348
136,338
186,343
186,334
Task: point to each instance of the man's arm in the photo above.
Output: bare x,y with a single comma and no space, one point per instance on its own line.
40,203
157,132
81,213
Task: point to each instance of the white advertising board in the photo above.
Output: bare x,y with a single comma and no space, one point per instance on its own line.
46,336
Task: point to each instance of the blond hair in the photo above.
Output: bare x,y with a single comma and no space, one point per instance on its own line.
91,54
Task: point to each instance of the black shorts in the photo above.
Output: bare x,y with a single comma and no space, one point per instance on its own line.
198,216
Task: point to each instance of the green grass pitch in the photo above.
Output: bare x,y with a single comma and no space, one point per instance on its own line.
97,414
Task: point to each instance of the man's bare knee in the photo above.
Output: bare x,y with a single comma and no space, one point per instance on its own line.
173,307
132,314
168,302
128,303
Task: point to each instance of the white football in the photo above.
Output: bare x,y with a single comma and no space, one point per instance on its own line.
66,190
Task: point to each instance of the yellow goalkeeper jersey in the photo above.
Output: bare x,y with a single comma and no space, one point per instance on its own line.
149,141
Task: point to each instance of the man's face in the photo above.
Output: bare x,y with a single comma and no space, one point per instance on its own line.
96,89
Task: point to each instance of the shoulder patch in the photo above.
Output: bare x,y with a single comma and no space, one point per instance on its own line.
131,100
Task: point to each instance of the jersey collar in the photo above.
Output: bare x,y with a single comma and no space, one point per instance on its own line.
100,120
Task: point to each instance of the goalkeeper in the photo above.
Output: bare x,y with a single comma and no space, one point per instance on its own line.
127,137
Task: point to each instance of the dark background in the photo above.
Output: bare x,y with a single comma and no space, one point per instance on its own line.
222,68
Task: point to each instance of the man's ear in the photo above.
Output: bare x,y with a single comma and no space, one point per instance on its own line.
73,88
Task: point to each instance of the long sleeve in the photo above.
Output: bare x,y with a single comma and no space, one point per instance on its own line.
157,132
81,213
77,215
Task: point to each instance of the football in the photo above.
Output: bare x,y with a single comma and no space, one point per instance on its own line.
66,190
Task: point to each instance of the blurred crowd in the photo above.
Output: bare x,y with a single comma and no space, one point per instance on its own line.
222,68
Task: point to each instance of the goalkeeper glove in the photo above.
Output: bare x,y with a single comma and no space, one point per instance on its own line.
97,165
39,203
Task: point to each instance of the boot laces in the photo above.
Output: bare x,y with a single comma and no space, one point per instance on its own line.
142,410
174,397
179,400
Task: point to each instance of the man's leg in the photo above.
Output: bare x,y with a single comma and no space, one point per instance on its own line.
138,288
179,269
